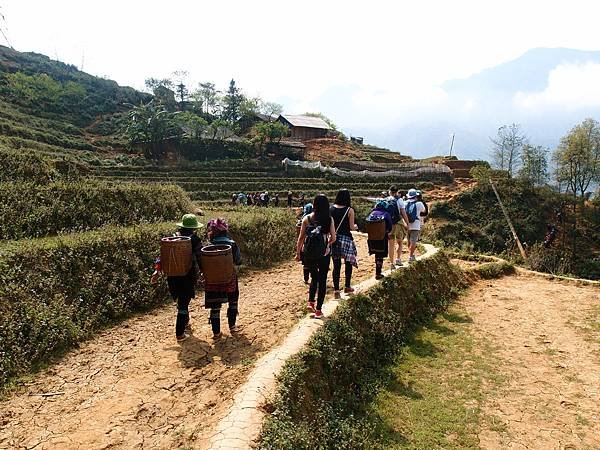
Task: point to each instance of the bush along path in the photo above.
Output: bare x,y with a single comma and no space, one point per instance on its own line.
133,386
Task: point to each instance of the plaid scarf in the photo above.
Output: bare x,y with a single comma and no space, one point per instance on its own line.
345,248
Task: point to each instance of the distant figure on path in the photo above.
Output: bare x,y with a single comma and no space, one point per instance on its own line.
290,199
276,200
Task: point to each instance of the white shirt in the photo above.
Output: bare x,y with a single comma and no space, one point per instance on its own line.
416,225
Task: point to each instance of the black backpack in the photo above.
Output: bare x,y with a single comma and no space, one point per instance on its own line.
392,210
315,242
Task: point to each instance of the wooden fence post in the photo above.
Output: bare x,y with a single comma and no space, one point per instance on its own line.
512,228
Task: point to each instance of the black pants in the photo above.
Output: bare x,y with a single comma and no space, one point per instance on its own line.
183,315
318,280
232,312
378,264
306,273
337,272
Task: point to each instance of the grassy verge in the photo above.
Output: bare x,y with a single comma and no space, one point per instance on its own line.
438,385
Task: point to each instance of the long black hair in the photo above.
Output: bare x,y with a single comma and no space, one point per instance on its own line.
321,211
343,198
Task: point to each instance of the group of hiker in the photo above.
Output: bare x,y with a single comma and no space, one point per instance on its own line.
265,199
324,234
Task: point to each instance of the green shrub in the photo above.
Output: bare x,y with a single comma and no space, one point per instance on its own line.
32,210
25,166
56,291
324,388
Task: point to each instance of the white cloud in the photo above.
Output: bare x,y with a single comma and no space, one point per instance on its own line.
570,86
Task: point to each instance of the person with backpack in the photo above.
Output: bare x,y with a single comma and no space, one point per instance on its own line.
414,211
308,208
397,212
317,234
420,198
379,247
215,294
344,247
182,288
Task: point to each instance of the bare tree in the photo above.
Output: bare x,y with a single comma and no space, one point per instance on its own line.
507,147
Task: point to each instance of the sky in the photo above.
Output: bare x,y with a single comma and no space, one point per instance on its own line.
369,64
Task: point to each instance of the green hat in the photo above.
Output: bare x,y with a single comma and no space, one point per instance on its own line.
189,221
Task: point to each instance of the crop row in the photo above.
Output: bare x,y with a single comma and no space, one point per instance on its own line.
34,210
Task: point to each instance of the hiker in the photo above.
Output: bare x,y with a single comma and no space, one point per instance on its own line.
420,198
276,200
301,199
317,233
308,208
267,198
289,199
182,288
414,210
215,294
249,199
379,248
344,247
397,212
234,199
262,199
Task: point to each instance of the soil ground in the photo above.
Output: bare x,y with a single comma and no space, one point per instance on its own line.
133,386
514,364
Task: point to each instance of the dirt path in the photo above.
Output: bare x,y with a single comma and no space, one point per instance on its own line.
134,387
546,336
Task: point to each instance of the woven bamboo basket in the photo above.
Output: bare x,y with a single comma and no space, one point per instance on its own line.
217,263
176,255
376,230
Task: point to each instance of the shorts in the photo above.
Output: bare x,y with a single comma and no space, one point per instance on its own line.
413,236
398,232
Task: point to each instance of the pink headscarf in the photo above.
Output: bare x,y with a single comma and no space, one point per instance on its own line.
218,224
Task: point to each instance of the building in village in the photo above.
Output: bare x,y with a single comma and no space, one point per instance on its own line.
305,127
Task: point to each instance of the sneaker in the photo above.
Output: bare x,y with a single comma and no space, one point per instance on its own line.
398,263
311,306
188,328
318,314
412,259
392,267
337,295
183,337
349,290
379,276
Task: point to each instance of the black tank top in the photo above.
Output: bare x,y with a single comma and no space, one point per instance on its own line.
337,214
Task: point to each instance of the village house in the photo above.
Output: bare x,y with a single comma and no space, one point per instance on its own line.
305,127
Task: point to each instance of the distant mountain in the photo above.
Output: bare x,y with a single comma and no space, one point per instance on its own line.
519,91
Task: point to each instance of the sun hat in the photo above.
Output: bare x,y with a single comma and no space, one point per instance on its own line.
189,221
308,208
412,193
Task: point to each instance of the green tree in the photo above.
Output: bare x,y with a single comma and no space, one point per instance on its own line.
193,126
232,103
220,129
149,126
163,91
269,132
206,98
180,77
534,164
271,109
507,147
577,158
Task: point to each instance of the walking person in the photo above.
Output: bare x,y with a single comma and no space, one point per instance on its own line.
290,199
215,294
414,211
379,247
344,247
276,200
308,208
397,212
183,288
317,234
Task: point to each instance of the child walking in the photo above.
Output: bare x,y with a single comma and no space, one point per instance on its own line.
215,294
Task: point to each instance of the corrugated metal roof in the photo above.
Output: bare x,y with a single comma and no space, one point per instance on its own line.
307,122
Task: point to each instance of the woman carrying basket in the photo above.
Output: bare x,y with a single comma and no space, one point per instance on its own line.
379,247
344,246
182,288
215,294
